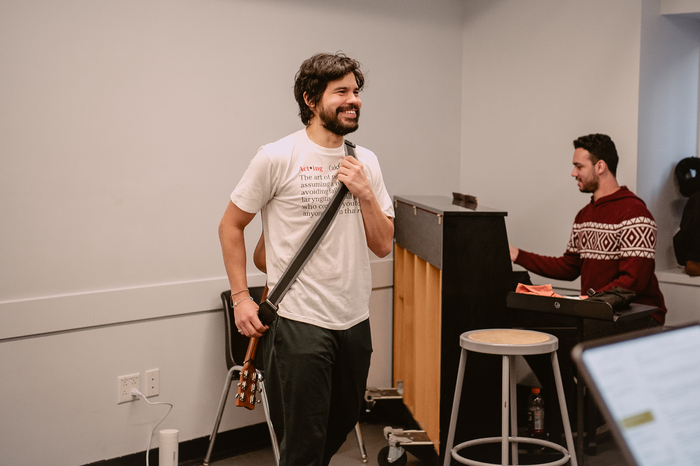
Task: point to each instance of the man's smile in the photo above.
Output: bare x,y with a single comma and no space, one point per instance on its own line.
351,112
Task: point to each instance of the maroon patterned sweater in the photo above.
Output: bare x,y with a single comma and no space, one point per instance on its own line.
613,243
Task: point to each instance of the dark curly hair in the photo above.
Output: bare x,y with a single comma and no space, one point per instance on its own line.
601,147
314,75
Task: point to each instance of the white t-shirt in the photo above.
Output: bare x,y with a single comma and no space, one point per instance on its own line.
291,181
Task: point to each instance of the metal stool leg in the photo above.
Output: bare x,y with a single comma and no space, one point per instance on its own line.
455,408
513,411
563,409
222,404
505,410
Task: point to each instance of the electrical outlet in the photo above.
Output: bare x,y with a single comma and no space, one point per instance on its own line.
124,385
153,382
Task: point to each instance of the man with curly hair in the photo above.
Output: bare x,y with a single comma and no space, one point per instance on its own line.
317,350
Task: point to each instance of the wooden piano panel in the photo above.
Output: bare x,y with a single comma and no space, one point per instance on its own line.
431,335
404,323
417,314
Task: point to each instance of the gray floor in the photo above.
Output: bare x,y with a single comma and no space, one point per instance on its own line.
349,454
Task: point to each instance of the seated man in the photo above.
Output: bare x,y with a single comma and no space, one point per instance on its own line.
613,238
612,244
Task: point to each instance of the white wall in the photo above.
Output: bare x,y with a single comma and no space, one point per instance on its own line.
125,126
537,75
668,117
668,132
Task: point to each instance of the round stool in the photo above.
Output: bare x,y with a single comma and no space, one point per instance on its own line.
507,343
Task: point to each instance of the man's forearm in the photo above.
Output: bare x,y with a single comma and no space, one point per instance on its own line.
379,229
566,267
234,254
634,274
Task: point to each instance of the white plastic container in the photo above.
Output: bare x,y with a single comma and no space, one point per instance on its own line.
167,452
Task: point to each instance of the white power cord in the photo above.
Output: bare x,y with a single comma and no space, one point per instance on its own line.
135,392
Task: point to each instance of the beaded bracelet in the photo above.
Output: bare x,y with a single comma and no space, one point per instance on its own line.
239,302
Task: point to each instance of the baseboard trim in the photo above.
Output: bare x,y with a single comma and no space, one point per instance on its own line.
190,453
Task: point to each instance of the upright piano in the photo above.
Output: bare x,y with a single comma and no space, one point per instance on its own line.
452,272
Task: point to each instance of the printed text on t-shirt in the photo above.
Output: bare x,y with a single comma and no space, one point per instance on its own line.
317,190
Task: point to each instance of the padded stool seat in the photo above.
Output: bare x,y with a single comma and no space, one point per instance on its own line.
508,343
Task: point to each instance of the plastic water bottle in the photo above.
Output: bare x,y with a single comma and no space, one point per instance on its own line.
535,414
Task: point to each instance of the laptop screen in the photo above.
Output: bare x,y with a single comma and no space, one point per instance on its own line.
650,387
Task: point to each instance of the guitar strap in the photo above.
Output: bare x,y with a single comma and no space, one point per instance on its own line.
268,308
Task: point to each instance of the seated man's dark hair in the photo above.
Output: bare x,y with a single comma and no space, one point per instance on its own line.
601,147
314,75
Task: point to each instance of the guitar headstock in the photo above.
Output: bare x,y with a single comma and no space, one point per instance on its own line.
249,386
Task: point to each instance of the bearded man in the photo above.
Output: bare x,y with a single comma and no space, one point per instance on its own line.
613,239
317,350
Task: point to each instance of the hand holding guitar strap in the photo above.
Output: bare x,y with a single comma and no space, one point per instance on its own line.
268,308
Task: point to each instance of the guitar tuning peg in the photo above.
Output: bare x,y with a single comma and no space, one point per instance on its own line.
246,373
255,377
259,400
259,391
236,397
252,399
260,377
252,388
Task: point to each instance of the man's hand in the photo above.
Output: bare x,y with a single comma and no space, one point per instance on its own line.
246,318
352,174
513,252
692,268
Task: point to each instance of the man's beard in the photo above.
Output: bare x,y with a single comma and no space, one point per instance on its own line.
589,186
331,121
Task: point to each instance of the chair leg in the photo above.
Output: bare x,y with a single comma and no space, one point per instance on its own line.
220,412
361,443
455,408
266,407
563,409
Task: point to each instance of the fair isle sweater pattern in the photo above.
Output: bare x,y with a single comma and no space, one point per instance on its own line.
635,237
